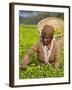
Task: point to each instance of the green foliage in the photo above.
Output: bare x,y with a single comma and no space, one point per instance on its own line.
41,71
57,31
33,17
28,36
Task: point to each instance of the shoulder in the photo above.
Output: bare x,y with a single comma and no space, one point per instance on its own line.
56,44
36,45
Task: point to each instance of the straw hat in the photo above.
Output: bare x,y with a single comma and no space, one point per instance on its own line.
56,23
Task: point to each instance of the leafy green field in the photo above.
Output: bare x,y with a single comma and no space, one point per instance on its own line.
28,36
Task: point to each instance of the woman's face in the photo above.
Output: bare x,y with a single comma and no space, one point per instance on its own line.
46,38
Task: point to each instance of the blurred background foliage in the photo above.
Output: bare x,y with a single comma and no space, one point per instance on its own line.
33,17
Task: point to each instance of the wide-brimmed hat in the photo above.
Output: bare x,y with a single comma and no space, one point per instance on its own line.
55,22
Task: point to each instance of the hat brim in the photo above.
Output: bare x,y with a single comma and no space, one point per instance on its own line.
55,22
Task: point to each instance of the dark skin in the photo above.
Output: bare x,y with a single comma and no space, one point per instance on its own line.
46,38
47,35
